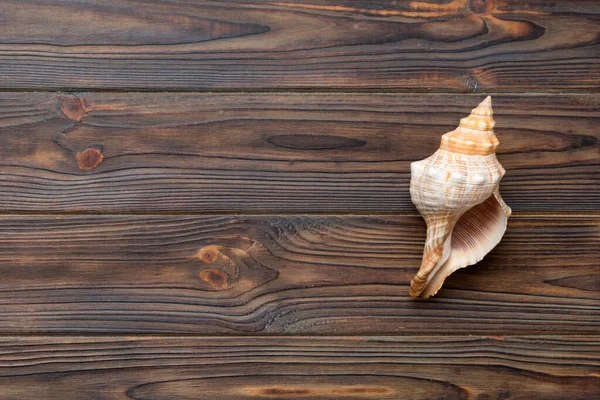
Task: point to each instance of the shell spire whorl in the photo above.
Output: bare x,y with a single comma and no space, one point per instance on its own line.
475,134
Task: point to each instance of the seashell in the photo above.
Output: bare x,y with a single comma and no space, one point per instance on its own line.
456,191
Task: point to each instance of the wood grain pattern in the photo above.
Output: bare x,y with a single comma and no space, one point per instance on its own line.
133,201
171,152
287,274
419,368
457,45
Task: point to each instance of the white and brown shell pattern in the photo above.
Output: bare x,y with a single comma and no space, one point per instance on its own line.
456,192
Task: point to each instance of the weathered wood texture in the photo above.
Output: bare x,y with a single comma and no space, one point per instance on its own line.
169,213
416,368
289,274
278,152
451,45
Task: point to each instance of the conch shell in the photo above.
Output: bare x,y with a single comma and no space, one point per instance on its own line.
456,192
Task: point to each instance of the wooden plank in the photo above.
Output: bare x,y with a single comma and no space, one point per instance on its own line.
419,368
287,274
458,45
278,152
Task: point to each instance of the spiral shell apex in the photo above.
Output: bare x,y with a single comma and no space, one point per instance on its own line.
456,190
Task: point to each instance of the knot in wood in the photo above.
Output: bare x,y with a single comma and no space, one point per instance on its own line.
216,278
209,254
73,108
478,6
472,83
89,158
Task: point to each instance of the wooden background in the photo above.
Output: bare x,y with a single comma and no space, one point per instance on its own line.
209,199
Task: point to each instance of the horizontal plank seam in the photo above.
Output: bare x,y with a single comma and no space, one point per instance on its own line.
515,214
316,90
499,337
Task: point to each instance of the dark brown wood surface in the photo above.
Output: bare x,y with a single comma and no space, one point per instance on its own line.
419,368
226,183
174,152
287,274
458,45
